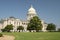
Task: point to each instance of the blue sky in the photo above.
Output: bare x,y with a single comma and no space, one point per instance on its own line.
48,10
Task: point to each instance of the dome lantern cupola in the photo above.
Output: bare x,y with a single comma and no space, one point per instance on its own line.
31,9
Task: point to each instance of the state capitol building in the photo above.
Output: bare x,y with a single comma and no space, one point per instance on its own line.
17,22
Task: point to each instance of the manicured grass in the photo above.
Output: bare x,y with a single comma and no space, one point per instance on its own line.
36,36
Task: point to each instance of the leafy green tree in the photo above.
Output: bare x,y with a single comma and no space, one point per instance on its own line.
58,29
51,27
8,28
20,28
34,24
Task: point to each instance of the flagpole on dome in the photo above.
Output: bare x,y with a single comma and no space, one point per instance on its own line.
31,6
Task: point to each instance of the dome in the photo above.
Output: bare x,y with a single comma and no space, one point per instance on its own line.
31,9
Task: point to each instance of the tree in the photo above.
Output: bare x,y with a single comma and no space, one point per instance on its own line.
8,28
58,29
20,28
51,27
34,24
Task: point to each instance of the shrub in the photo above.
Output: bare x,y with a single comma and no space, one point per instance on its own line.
3,30
1,35
7,28
20,28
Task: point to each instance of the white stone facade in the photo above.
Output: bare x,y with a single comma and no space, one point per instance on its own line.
17,22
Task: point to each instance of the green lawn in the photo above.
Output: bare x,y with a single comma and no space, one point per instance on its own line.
35,36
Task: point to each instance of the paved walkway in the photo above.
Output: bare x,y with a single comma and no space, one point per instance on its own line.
6,37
